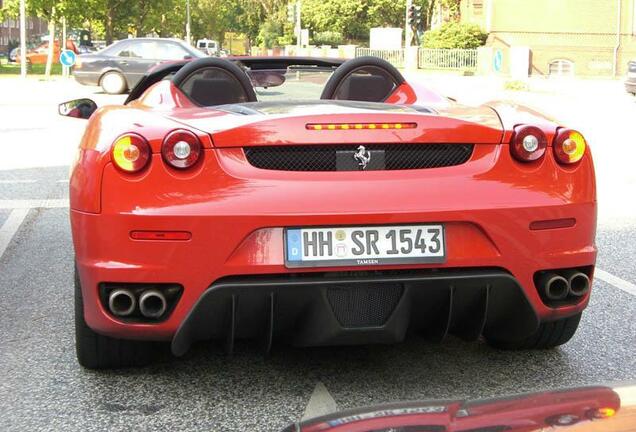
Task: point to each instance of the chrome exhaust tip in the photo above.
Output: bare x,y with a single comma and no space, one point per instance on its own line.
554,287
121,302
579,283
152,304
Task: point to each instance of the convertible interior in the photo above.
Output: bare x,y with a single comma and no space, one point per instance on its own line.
214,81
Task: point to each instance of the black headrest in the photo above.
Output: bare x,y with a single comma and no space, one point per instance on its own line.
213,81
216,91
349,80
366,88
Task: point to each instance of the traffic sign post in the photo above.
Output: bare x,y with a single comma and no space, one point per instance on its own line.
67,59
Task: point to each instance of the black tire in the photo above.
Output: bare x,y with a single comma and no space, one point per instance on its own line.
113,82
549,335
95,351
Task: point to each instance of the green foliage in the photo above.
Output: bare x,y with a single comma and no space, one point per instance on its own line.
270,32
332,38
455,35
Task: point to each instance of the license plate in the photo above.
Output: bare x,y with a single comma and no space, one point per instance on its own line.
362,246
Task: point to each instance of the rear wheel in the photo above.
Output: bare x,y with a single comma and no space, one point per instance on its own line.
113,83
548,335
95,351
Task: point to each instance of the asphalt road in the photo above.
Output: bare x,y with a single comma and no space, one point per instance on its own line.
43,388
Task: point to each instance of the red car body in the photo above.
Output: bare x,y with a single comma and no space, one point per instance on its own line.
224,218
583,409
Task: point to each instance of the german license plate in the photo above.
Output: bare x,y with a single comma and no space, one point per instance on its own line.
361,246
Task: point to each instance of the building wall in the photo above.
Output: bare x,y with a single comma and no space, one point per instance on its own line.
581,31
10,30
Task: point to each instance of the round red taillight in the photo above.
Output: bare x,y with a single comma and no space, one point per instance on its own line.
131,152
569,146
181,149
528,143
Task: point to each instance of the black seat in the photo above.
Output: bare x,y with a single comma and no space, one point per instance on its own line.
213,81
369,79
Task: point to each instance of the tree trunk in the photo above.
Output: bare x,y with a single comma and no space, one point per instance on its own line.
49,57
108,27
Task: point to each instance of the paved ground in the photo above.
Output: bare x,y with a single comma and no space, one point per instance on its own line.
43,388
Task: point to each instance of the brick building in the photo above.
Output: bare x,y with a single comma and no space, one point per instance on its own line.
10,30
569,37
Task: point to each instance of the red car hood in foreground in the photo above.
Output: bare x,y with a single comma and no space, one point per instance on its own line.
581,409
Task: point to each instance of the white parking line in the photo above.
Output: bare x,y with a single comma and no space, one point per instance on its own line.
62,181
35,203
619,283
320,403
10,227
17,181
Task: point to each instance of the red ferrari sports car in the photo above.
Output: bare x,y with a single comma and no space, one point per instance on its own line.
322,202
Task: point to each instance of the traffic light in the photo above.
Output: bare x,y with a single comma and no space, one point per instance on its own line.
291,12
415,16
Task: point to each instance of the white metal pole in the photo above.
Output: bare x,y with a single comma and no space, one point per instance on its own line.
188,22
408,34
23,68
298,26
65,69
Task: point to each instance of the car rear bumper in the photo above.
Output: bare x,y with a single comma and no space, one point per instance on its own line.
359,307
630,86
86,78
236,217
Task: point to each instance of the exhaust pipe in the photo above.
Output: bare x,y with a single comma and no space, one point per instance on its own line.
578,283
121,302
152,304
553,286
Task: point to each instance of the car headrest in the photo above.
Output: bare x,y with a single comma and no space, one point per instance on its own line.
215,91
213,81
369,79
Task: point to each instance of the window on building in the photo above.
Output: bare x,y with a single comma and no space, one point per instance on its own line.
561,68
478,6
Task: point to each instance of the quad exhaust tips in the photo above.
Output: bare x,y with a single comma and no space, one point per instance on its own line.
122,302
152,304
553,286
558,286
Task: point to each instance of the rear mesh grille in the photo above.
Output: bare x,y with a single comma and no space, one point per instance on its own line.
324,157
364,306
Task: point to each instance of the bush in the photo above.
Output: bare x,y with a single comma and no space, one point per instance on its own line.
332,38
455,35
270,31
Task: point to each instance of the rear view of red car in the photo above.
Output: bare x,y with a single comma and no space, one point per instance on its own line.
355,208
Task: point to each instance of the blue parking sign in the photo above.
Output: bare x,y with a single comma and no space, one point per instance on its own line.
497,61
68,58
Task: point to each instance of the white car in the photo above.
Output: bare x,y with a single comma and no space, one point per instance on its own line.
208,46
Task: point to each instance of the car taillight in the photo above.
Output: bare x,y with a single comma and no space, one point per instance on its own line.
528,143
131,152
569,146
181,149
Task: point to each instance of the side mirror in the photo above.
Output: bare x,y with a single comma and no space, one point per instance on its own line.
77,108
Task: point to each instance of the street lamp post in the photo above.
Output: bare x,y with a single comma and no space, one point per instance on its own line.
23,68
188,22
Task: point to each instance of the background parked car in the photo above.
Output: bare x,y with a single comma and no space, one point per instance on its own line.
118,67
13,55
39,54
630,82
208,47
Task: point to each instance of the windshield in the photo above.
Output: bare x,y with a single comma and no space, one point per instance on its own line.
293,83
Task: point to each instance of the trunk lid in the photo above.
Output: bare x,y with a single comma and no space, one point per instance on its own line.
284,123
